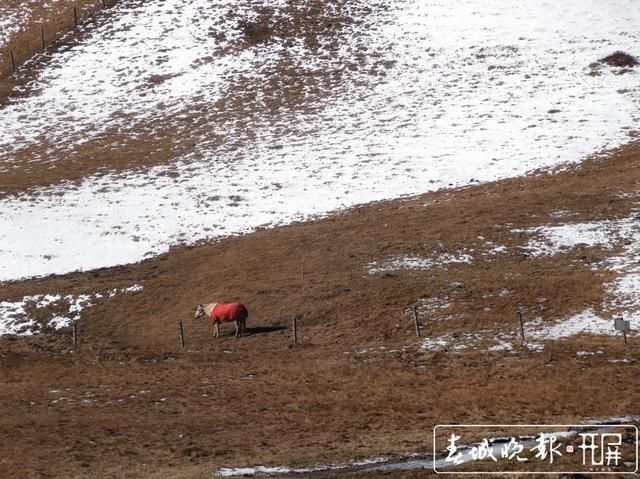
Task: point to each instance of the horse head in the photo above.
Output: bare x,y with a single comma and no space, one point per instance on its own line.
199,312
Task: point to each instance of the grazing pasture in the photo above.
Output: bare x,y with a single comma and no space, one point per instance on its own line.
129,401
430,209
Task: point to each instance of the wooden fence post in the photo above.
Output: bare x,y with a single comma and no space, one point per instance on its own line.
295,330
42,37
415,319
75,16
521,326
13,61
181,335
75,335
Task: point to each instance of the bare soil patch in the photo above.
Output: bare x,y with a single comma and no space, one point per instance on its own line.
620,60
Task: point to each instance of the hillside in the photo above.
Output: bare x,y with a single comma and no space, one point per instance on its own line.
233,116
347,163
129,401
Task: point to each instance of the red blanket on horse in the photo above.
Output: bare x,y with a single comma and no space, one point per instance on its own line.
227,312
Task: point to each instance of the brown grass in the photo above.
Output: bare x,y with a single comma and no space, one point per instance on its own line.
257,400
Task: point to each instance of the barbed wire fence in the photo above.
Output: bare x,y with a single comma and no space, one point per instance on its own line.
187,334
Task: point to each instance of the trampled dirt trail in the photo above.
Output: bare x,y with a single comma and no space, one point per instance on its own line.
131,403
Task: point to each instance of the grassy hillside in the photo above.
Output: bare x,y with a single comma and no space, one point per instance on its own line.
129,402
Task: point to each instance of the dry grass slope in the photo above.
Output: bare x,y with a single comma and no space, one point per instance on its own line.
131,403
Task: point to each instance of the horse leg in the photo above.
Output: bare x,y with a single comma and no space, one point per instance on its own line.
237,328
216,330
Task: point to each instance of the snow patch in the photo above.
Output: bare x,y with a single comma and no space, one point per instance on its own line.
502,346
12,19
586,322
552,240
418,263
15,317
623,292
250,471
462,341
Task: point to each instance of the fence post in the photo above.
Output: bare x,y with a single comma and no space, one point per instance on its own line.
295,330
415,319
103,4
181,335
521,326
13,61
42,37
75,16
75,335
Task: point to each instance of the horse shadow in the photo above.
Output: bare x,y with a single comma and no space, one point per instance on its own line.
263,329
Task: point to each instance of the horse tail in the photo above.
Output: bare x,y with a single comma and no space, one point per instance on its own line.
244,314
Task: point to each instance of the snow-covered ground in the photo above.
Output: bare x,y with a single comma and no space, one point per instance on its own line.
418,263
622,298
17,317
551,240
440,94
623,293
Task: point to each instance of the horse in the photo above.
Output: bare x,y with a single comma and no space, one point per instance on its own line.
224,313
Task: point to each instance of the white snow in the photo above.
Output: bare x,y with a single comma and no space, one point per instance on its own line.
502,346
623,292
469,96
9,25
586,353
417,263
16,320
434,344
250,471
554,239
495,249
12,20
462,341
622,298
586,322
133,289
